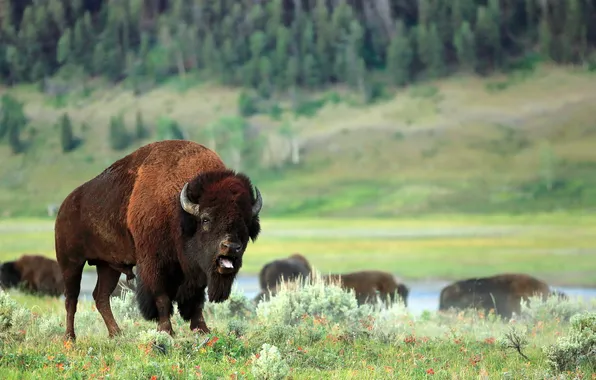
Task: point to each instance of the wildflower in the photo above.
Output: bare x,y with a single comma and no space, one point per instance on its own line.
60,366
490,340
430,371
212,341
153,377
67,345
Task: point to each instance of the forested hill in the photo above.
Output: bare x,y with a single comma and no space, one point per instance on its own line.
274,45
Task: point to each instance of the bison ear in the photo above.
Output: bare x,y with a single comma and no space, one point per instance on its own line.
255,228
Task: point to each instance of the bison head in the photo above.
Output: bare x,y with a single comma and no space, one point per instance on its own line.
219,215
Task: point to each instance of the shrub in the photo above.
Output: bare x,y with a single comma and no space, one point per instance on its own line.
576,350
269,364
537,309
314,299
13,318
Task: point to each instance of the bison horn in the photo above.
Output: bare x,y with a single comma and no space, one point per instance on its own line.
187,205
256,208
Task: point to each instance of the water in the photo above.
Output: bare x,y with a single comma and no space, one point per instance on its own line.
424,295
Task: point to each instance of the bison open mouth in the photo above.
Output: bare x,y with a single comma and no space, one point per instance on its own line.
225,264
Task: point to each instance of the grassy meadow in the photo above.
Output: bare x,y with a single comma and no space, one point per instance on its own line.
508,143
556,247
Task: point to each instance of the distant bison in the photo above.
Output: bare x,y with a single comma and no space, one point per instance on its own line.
173,210
367,283
502,292
38,274
41,275
291,268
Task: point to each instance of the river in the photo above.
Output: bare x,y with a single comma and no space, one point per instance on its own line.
424,295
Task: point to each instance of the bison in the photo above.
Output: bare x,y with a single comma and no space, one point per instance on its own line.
502,292
367,283
38,275
172,210
292,268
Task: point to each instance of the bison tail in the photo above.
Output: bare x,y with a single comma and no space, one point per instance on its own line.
9,275
146,301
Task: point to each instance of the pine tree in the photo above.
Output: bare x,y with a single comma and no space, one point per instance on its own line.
119,137
400,56
465,46
67,140
140,129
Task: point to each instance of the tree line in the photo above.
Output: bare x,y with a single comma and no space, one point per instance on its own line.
276,45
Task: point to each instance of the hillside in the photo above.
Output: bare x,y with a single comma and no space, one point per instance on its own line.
519,142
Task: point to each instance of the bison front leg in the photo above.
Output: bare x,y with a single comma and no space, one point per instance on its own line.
190,305
164,310
197,322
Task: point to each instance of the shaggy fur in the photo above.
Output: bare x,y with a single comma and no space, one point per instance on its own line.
502,292
38,274
366,284
292,268
132,215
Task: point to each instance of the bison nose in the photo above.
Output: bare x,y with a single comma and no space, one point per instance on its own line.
228,246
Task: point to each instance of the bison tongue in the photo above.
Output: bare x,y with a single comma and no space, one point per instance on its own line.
226,263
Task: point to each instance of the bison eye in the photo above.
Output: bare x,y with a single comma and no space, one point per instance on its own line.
205,221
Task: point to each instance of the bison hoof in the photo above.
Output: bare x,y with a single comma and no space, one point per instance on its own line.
201,328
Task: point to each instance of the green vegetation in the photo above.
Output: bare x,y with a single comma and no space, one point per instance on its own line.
314,332
452,146
333,110
553,247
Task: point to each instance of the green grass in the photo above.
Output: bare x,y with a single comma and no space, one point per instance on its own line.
556,247
335,340
452,146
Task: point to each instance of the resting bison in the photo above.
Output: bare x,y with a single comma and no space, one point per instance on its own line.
367,283
38,274
173,210
291,268
502,292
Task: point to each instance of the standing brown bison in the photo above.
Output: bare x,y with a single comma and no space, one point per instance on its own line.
292,268
37,273
173,210
502,292
367,283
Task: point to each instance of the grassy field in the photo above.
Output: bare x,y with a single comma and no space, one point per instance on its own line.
557,247
317,332
521,142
